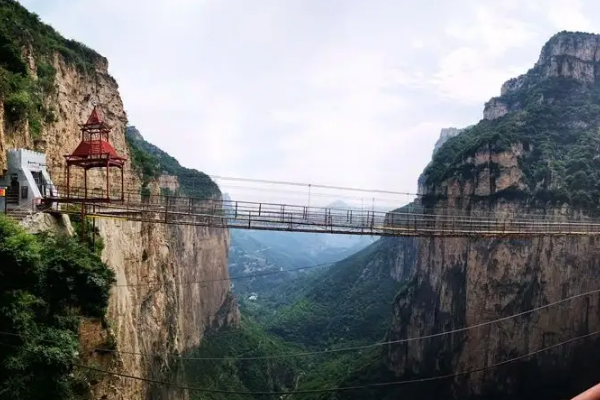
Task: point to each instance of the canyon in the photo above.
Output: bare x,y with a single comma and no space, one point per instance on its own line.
531,153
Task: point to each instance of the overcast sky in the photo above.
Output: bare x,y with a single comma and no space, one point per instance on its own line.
340,92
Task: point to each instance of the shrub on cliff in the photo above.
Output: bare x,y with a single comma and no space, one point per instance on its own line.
150,161
22,91
46,285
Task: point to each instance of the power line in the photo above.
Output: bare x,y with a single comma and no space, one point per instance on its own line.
398,341
276,182
344,388
364,347
310,185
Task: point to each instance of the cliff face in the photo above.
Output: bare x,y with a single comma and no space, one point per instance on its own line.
566,55
533,152
156,308
163,312
166,309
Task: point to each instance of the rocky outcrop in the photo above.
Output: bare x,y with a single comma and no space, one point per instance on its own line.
462,282
171,280
494,109
170,182
445,134
571,55
47,223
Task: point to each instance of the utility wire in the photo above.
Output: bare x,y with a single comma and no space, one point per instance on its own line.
355,348
343,388
389,342
274,182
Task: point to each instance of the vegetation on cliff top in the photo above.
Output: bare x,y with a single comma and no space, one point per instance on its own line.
46,285
150,162
557,122
24,91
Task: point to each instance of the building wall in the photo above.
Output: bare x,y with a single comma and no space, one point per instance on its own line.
22,163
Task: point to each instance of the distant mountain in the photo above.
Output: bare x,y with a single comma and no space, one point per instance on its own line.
258,251
340,204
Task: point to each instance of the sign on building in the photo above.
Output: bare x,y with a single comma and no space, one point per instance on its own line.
2,191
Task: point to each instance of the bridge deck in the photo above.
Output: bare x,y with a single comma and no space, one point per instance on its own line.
283,217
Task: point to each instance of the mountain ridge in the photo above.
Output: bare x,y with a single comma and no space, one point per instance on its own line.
533,150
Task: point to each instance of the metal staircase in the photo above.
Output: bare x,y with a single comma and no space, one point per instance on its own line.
12,195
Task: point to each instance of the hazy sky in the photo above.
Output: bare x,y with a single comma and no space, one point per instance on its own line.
340,92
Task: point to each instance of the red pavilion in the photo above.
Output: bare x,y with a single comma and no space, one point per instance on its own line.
95,151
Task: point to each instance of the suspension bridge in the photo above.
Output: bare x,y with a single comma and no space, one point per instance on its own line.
96,156
218,213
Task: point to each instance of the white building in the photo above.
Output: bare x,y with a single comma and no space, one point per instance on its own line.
26,179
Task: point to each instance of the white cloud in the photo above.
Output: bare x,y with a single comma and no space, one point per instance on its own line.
568,15
336,92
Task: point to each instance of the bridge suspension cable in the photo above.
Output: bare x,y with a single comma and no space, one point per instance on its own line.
280,182
357,348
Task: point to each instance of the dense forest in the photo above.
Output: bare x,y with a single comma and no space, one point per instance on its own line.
310,333
48,283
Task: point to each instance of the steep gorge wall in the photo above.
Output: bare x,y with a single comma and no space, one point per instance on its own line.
462,282
465,282
156,308
171,287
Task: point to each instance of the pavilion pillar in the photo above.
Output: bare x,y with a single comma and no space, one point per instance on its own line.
122,186
68,180
107,181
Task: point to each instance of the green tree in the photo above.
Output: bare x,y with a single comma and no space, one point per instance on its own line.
46,285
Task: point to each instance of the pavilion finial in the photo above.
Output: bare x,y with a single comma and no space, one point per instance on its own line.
94,118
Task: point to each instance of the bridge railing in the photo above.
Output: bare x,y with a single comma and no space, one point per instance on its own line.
251,215
287,217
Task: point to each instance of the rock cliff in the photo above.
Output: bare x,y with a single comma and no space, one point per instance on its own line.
571,55
534,152
158,307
